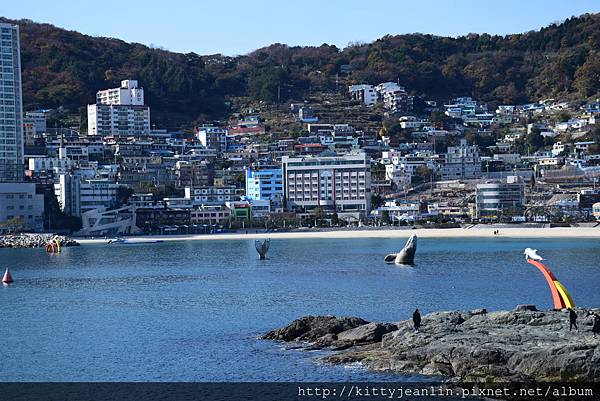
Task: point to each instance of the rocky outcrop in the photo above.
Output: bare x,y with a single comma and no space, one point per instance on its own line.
313,328
465,346
34,240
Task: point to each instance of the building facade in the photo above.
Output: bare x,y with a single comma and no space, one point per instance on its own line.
20,201
77,196
120,120
211,195
337,183
127,94
462,162
213,138
265,184
11,106
495,199
363,93
119,111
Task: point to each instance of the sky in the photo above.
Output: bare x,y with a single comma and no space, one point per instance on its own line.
234,27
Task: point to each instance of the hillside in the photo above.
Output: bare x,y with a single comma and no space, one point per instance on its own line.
66,68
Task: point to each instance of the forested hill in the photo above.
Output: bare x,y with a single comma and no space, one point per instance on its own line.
63,67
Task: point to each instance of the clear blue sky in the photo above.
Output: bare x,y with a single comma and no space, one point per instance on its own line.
239,26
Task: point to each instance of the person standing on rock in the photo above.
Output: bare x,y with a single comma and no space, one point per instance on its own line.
417,320
596,326
572,319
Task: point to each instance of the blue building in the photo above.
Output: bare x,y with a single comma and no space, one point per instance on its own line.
265,184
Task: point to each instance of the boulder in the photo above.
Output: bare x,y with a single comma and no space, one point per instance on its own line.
311,328
525,308
367,333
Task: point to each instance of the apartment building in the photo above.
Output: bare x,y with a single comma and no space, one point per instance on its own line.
211,195
265,184
363,93
20,201
128,94
462,162
337,183
213,138
120,112
77,196
11,106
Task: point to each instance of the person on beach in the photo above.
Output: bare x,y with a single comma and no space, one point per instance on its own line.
417,320
572,319
596,325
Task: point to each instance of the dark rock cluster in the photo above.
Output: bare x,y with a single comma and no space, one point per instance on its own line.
466,346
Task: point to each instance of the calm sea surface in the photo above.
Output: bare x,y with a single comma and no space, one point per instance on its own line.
193,311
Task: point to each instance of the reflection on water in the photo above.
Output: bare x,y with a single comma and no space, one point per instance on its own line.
193,310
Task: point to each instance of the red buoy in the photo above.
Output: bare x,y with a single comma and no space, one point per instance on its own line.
7,277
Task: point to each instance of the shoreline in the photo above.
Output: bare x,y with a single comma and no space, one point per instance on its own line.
510,232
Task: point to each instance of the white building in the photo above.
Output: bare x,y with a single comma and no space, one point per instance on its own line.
364,93
398,175
56,164
462,162
128,94
19,200
211,195
77,196
337,183
103,222
119,111
11,106
123,120
213,138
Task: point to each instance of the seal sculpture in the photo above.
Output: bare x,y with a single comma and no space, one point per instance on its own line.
262,247
406,256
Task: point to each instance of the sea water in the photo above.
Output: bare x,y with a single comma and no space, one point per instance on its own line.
194,310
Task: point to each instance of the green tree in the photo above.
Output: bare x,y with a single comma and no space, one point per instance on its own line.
535,140
377,201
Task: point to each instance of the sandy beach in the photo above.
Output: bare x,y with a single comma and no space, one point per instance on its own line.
475,232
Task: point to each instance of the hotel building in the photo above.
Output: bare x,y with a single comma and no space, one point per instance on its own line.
336,183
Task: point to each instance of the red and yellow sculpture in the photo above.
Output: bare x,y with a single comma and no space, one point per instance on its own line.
560,296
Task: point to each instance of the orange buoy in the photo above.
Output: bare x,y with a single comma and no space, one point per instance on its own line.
7,277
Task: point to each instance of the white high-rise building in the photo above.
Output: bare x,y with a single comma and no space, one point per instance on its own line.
11,106
119,111
338,183
128,94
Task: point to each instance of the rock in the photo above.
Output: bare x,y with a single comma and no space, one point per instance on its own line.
526,308
311,328
34,240
366,333
464,346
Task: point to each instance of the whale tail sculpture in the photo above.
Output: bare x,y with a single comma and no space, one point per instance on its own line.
560,296
407,255
262,247
7,278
